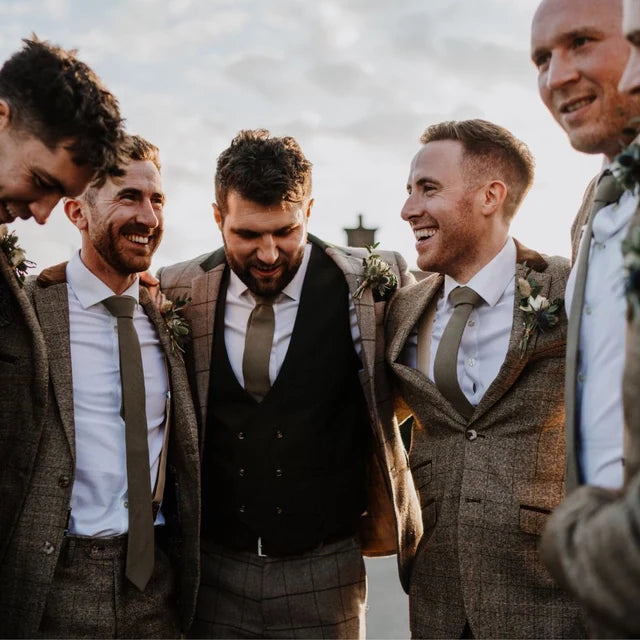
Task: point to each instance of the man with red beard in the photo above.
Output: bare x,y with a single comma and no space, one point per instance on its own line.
96,508
303,465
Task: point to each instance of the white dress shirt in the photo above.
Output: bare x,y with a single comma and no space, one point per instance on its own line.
239,305
601,348
486,337
99,495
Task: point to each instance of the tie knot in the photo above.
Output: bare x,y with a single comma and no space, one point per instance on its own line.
608,190
120,306
266,300
464,295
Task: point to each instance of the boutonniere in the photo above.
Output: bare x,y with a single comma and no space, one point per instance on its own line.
377,275
540,313
179,329
15,254
626,167
631,253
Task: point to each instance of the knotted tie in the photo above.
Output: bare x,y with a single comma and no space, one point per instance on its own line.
257,348
140,545
608,190
445,366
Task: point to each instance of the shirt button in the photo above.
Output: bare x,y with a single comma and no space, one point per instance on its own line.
472,434
241,473
581,377
471,362
125,504
471,323
278,473
279,511
63,481
241,435
47,548
587,310
242,508
279,434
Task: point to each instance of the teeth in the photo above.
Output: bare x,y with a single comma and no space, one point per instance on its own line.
138,239
421,234
574,106
9,210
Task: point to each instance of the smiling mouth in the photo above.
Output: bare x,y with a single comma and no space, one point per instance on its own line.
11,213
425,234
570,107
266,273
144,240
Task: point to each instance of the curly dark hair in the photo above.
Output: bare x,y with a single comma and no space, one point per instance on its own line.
491,151
54,97
264,169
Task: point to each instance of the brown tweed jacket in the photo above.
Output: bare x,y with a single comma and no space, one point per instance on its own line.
24,374
392,523
592,542
571,427
487,485
33,547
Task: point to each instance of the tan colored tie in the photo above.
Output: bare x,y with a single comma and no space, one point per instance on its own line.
257,348
445,366
608,190
140,541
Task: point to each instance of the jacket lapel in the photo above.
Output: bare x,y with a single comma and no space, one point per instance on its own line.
515,361
52,307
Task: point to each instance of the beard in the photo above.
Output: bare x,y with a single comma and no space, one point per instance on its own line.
267,286
105,241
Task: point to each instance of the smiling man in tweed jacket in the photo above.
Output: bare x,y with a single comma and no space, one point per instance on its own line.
301,478
488,447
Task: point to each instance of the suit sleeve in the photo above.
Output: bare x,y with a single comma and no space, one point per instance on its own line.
592,547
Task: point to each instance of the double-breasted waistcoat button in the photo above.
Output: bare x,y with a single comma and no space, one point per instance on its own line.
47,548
472,434
63,481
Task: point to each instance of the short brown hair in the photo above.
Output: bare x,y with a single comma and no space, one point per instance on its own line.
262,168
490,151
53,96
134,147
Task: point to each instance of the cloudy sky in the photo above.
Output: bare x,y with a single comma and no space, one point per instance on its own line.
354,81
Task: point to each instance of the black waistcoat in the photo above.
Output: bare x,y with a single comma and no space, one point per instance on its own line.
290,469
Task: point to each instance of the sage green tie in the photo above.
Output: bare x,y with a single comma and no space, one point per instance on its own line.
257,348
140,540
445,365
608,190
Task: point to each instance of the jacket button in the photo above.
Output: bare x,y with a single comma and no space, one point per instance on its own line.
241,435
472,434
279,511
278,473
47,548
241,473
279,434
63,481
242,508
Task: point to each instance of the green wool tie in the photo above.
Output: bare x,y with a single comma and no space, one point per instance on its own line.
140,545
445,366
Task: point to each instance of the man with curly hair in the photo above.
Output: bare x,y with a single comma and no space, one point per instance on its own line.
60,129
303,465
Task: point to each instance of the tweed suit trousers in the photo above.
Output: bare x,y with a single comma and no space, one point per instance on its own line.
90,597
318,594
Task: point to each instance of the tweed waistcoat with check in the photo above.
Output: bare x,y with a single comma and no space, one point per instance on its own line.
290,469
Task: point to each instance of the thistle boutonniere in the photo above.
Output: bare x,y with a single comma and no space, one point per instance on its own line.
179,329
15,254
377,275
626,167
541,314
631,254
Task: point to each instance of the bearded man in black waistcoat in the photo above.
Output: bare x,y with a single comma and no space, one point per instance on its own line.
304,469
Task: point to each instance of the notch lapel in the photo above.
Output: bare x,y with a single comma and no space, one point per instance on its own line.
52,307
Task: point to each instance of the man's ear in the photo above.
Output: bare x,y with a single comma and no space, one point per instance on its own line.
217,214
309,206
75,212
5,115
493,195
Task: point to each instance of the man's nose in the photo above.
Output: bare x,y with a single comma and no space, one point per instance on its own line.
42,207
268,250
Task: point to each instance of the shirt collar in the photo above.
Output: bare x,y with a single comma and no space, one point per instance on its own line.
492,280
88,288
293,290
